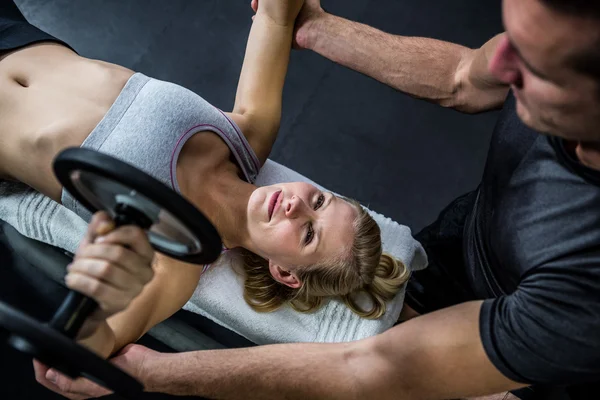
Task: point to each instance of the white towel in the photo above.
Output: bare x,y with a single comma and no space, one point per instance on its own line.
39,217
219,293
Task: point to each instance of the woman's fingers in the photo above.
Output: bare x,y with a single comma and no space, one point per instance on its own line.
104,260
99,225
106,272
110,299
111,274
129,236
111,265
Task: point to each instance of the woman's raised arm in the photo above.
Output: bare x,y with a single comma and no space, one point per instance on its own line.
258,99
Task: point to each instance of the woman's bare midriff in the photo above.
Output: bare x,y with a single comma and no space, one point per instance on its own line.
50,99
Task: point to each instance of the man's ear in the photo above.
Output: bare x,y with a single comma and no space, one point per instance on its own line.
284,276
589,154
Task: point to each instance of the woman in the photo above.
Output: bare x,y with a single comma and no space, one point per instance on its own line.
301,244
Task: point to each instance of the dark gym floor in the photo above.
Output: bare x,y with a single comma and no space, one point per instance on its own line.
402,157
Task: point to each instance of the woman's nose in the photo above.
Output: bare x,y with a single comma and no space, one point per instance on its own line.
504,63
294,207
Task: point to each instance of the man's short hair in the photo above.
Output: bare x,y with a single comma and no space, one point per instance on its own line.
581,8
587,62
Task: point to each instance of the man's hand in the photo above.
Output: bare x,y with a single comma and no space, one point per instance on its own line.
77,389
131,360
112,266
306,22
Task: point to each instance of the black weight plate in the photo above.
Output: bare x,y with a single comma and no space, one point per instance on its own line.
96,179
58,351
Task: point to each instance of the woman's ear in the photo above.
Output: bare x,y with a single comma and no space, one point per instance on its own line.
284,276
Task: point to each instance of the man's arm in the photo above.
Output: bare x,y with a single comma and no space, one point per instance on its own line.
441,72
436,356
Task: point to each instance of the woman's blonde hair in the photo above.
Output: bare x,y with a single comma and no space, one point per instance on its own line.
364,268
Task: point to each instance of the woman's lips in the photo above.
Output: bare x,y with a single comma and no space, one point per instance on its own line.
273,202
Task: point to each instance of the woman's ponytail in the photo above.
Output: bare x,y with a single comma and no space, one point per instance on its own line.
390,275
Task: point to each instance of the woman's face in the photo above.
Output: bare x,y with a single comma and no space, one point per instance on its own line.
293,224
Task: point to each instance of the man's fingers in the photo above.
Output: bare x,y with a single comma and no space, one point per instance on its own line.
40,375
39,369
76,389
81,388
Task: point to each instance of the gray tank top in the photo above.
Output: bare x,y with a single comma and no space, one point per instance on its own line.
149,123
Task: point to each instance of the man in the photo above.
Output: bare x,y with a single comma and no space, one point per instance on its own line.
511,297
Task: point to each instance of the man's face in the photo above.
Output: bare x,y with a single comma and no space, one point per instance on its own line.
535,59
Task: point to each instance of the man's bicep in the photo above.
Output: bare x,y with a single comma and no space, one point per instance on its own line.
438,355
479,90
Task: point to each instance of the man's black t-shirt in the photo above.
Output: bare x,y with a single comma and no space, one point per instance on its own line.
532,249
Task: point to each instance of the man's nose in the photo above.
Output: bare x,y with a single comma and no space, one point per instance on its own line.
503,64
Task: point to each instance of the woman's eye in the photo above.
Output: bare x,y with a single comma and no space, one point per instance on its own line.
320,201
309,235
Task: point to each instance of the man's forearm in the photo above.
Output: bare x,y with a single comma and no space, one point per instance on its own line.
421,67
442,347
258,372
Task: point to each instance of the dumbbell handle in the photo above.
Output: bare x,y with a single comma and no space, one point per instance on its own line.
76,308
72,313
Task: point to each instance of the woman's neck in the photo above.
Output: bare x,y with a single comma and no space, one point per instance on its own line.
223,199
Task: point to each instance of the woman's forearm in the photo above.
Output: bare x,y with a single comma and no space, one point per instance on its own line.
117,332
173,284
421,67
260,88
102,342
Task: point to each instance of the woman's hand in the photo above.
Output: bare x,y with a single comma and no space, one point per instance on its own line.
282,12
306,24
112,266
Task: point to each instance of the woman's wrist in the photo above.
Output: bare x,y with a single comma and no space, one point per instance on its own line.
263,16
102,342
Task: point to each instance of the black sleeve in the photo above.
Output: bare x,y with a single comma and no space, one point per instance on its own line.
548,331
